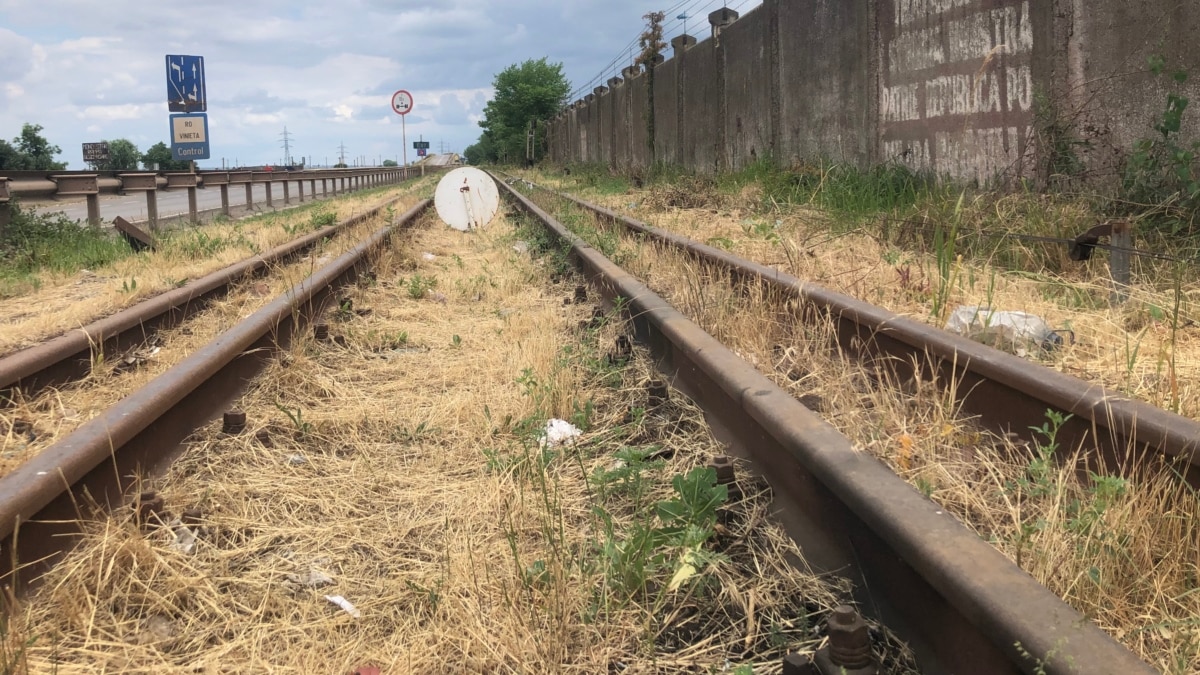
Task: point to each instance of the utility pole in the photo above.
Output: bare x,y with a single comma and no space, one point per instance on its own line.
287,146
342,153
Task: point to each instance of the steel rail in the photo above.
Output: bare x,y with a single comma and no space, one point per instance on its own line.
70,356
961,605
43,500
1006,393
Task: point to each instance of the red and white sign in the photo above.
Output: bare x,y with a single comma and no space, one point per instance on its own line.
402,102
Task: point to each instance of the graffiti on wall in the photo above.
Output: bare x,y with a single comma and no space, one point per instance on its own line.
957,86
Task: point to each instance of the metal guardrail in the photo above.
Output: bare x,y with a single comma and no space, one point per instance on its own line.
92,184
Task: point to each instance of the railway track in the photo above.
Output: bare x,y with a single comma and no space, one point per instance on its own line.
54,362
961,604
100,461
1008,394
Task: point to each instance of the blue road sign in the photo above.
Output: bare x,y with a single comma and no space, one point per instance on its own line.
189,136
185,84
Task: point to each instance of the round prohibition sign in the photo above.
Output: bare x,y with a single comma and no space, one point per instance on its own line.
402,102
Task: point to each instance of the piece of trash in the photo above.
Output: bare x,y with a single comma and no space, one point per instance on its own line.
559,432
521,247
297,460
185,540
344,604
1004,329
314,579
437,297
428,256
155,628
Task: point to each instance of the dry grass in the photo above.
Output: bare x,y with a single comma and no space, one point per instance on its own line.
1148,348
63,302
405,467
1121,551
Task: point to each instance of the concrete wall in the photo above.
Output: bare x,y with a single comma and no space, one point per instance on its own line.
956,85
827,89
962,88
749,127
1107,94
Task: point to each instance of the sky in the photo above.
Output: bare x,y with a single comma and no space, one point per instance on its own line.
92,70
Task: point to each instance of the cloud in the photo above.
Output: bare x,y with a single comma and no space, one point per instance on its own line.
87,70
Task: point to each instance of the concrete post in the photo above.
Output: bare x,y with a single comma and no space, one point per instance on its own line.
682,43
720,20
193,211
270,200
225,200
324,188
1122,242
152,208
312,184
300,187
287,191
5,216
249,195
93,206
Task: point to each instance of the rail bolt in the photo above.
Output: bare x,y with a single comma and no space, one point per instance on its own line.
191,517
580,295
264,438
321,332
849,649
724,468
799,664
624,346
658,392
233,422
148,504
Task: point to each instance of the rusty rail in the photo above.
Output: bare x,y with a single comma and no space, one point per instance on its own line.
92,184
961,605
70,356
99,462
1007,394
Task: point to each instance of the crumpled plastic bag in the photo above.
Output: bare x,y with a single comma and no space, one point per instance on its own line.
559,432
1003,329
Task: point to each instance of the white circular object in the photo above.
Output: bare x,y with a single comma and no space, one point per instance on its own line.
467,198
402,102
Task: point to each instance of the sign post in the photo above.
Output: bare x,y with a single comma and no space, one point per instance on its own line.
188,96
402,103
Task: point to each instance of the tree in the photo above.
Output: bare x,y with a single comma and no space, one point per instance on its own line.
482,152
533,90
10,158
651,42
389,162
37,153
160,154
123,155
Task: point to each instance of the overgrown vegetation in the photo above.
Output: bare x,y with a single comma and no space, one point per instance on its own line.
33,242
1162,177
